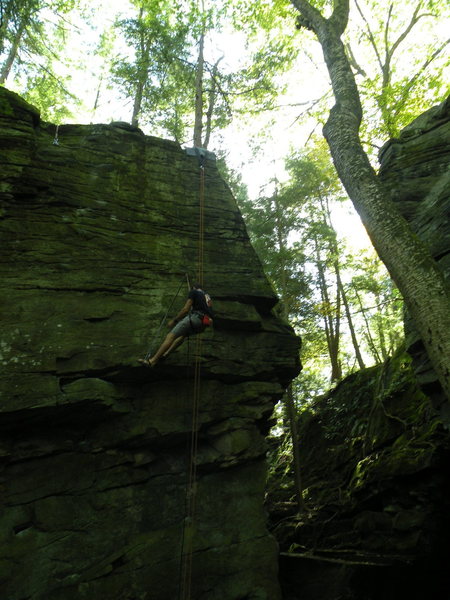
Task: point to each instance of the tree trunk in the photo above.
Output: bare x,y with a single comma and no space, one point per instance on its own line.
334,248
198,124
143,64
391,334
292,414
332,327
370,340
281,239
336,366
212,97
137,103
348,314
406,257
97,98
380,329
12,54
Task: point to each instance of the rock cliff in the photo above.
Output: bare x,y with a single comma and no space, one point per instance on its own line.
415,169
375,458
98,227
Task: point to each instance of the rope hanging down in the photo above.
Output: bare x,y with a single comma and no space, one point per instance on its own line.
163,320
191,489
201,228
187,550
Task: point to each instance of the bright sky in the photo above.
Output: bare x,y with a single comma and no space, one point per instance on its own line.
240,136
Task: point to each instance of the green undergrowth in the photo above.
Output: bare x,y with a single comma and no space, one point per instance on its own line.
374,427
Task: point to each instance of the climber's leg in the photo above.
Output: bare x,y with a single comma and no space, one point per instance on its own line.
189,325
167,343
177,342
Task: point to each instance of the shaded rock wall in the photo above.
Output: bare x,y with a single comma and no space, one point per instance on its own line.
375,469
96,236
415,168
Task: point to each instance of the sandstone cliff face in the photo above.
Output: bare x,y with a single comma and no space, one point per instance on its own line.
415,169
97,233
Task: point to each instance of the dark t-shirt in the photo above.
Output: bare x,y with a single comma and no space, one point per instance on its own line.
199,302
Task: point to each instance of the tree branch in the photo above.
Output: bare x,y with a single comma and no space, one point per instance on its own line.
62,18
407,88
370,34
308,111
386,34
339,17
52,75
217,83
353,62
415,17
309,17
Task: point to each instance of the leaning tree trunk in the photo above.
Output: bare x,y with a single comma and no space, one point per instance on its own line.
137,104
142,75
12,54
406,257
212,98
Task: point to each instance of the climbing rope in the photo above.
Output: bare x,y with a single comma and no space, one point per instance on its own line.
201,227
185,587
191,489
163,320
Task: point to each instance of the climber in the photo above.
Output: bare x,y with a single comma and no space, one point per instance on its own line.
193,318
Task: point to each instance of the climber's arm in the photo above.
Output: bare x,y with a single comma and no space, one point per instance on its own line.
183,312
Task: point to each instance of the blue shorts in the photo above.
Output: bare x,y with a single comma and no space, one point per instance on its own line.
189,325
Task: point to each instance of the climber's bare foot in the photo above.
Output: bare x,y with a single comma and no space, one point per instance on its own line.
147,362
